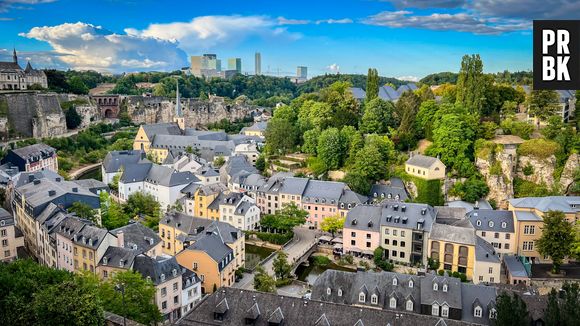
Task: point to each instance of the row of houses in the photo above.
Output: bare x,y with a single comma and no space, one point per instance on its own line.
471,241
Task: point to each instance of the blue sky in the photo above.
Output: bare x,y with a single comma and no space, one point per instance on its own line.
409,38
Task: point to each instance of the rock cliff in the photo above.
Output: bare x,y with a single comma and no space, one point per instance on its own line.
498,167
537,170
570,168
34,115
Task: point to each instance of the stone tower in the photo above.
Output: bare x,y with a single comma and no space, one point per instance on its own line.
178,113
14,57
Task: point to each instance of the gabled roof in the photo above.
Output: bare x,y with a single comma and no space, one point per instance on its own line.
387,93
114,160
138,237
30,151
422,161
566,204
159,269
152,130
473,295
501,221
118,257
485,252
328,192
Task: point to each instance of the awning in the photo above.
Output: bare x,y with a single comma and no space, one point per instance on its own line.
325,238
338,246
337,240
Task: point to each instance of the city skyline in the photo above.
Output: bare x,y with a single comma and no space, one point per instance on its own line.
327,37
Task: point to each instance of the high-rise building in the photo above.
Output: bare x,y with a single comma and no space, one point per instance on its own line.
258,63
218,65
302,72
209,62
235,64
195,65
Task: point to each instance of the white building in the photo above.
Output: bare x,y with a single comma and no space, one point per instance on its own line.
13,77
190,291
239,210
250,151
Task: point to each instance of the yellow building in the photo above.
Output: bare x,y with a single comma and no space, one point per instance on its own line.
425,167
89,246
529,213
204,196
257,129
146,135
452,242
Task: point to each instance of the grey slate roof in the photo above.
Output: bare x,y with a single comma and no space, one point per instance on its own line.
152,130
92,185
473,295
296,311
118,257
481,204
526,216
566,204
390,214
395,188
485,252
196,226
156,174
514,266
293,186
114,160
452,297
135,172
350,197
213,245
257,126
6,217
484,216
30,151
90,236
407,87
387,93
422,161
138,237
453,230
328,192
159,269
358,93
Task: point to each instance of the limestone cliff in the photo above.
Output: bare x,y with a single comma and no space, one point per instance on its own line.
34,115
570,168
197,113
537,170
498,165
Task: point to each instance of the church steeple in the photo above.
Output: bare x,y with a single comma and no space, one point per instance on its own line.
14,57
178,113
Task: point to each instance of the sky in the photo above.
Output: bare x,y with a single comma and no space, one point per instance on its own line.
401,38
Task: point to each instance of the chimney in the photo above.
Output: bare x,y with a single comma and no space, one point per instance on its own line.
120,239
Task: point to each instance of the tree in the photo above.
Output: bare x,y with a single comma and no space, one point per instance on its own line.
282,268
511,311
73,119
141,204
285,219
379,260
425,93
139,297
77,86
358,182
331,148
424,119
83,210
377,117
543,103
471,83
219,161
112,214
261,163
554,127
558,236
280,136
372,90
569,312
264,282
471,190
332,224
370,163
310,141
552,315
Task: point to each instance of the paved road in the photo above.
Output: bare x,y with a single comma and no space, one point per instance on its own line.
303,241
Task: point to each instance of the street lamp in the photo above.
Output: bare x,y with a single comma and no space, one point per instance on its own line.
121,288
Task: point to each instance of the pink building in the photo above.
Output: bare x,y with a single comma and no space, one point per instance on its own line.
64,245
321,199
361,233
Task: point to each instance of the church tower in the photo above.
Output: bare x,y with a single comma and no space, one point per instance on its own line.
14,57
178,113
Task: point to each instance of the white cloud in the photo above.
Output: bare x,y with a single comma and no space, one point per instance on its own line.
334,68
286,21
427,3
86,46
205,32
6,5
462,22
409,78
334,21
529,9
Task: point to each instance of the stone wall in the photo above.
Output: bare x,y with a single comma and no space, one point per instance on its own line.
197,113
34,115
90,114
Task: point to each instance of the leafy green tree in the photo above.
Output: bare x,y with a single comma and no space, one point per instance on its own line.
569,307
377,117
332,224
511,311
219,161
543,103
518,128
372,90
286,219
379,260
370,163
424,119
453,142
425,93
554,127
77,86
358,182
471,190
552,314
558,236
281,266
73,119
261,163
280,136
112,214
141,204
84,211
139,297
471,83
310,141
354,142
331,148
264,282
345,108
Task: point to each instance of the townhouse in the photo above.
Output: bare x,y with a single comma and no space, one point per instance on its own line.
321,199
63,234
429,295
257,129
89,246
487,265
139,238
239,210
190,291
11,237
393,190
178,231
32,158
203,201
115,260
237,166
528,218
495,227
250,151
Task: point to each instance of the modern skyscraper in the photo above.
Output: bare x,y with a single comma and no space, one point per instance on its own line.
195,66
258,63
235,64
302,72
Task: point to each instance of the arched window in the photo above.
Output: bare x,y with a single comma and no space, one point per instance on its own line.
435,286
394,281
340,292
374,299
328,291
361,297
410,283
492,313
445,287
490,224
477,312
409,305
444,311
503,225
435,309
393,303
478,223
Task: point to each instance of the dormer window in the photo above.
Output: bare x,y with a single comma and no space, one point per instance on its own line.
409,305
121,263
393,303
410,283
478,223
340,292
375,195
490,224
492,313
395,281
174,272
374,299
328,291
444,287
478,312
361,297
503,225
435,309
162,277
445,311
435,286
105,260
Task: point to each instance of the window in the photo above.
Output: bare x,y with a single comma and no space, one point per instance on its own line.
529,229
507,236
528,246
164,305
175,286
3,233
410,283
395,242
176,299
435,286
402,233
496,235
409,305
444,311
506,246
490,270
4,243
387,231
352,242
483,233
340,292
401,254
492,313
328,291
492,280
163,292
387,242
477,312
444,287
435,310
402,243
395,281
374,299
480,278
361,297
478,223
393,303
503,225
490,224
353,234
395,232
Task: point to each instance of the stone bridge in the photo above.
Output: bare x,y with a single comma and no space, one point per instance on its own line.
304,256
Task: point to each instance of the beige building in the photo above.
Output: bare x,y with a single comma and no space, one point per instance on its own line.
495,227
452,242
487,265
425,167
10,236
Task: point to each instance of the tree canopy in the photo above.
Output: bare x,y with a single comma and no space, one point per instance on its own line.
558,236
